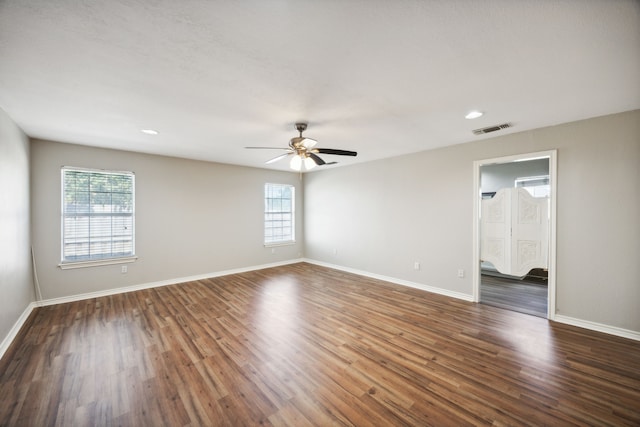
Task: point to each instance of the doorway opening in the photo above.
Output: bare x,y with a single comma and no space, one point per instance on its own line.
514,232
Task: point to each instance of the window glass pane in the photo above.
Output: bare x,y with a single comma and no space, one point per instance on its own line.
98,215
279,205
537,186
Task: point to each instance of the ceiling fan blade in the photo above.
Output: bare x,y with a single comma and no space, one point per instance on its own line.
330,163
309,143
337,152
316,159
275,159
266,148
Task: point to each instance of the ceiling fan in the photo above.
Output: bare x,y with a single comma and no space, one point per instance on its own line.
304,152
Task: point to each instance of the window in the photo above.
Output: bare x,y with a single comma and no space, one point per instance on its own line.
97,216
537,186
279,214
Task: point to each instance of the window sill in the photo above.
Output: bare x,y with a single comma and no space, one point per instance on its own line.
271,245
96,263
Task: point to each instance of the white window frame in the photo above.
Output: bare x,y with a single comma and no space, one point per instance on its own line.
268,222
91,261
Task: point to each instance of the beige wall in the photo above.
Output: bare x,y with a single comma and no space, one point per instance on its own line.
16,286
192,218
382,216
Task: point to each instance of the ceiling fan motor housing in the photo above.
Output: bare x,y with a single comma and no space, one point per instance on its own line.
301,127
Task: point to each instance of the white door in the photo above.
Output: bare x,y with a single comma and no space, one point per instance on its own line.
495,230
514,230
530,232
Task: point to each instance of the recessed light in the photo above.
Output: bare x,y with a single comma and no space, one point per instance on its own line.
474,114
149,131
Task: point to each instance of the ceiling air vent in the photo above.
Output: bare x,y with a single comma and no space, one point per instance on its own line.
490,129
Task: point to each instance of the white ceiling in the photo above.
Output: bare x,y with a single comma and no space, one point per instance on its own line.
383,78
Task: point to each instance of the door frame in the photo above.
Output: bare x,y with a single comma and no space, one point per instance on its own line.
477,197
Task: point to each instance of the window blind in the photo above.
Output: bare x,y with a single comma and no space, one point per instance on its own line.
97,215
279,215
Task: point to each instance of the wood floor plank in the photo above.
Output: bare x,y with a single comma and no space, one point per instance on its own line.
528,295
303,345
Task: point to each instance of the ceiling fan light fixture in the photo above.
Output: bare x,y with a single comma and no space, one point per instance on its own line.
309,163
296,163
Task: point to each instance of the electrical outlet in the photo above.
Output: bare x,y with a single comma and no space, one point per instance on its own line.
335,251
124,269
461,273
273,250
416,265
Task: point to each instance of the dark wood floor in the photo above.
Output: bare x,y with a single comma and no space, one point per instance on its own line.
528,295
304,345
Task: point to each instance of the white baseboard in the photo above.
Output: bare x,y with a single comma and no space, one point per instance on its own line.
599,327
433,289
160,283
6,342
611,330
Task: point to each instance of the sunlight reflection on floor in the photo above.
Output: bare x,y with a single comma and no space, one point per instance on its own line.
278,313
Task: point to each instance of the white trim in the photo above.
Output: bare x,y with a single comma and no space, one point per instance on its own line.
276,244
553,204
64,265
115,291
292,212
6,342
599,327
553,178
475,261
13,332
105,171
97,262
427,288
